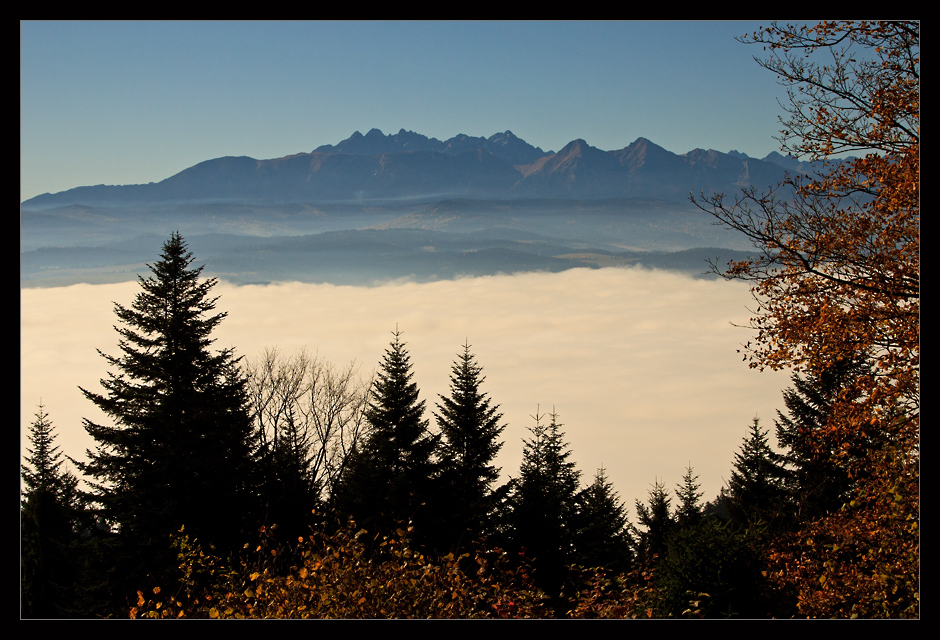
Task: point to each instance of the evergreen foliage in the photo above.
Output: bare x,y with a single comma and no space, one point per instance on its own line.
544,502
711,570
48,518
470,428
179,451
656,516
602,531
689,511
817,479
42,471
389,478
756,491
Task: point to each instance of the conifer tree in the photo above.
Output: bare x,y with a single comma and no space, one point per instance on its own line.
689,511
815,480
708,567
602,532
178,453
470,428
543,504
48,517
656,516
711,570
391,474
756,491
42,471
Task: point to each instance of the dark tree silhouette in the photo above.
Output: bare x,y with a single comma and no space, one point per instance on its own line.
817,478
178,453
656,516
755,489
470,428
602,537
543,502
389,477
48,516
689,511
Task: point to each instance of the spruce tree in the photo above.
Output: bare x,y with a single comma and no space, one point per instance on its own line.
689,511
42,471
178,453
658,519
709,568
756,491
48,517
544,502
470,428
390,476
602,537
815,480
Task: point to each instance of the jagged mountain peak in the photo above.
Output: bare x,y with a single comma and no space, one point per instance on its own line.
576,147
376,166
505,138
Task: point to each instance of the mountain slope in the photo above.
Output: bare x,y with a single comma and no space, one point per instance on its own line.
409,166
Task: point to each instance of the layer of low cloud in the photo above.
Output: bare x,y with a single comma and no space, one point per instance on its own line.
641,366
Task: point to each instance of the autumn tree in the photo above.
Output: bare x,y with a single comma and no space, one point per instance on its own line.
179,450
308,417
348,574
837,274
470,427
836,277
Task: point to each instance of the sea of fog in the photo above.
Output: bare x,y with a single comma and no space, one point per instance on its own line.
641,366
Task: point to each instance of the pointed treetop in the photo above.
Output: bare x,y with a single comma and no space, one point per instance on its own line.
689,510
41,472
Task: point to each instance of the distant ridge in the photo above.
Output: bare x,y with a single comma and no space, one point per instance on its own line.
409,166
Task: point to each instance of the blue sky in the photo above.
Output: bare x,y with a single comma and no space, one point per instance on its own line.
135,102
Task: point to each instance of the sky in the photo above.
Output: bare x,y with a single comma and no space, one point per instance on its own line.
135,102
641,367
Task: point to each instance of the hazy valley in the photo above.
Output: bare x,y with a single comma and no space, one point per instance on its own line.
379,208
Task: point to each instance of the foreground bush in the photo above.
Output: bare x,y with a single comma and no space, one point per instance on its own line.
347,575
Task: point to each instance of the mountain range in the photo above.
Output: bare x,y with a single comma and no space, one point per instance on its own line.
408,166
375,208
